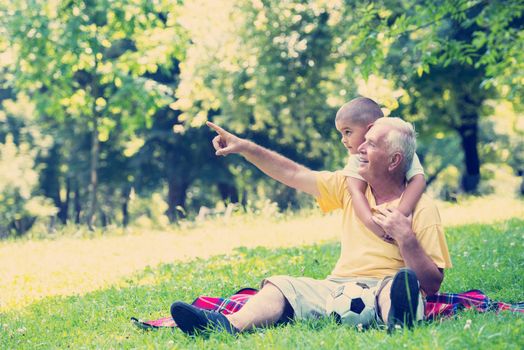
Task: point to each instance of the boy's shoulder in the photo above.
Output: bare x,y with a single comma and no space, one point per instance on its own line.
351,168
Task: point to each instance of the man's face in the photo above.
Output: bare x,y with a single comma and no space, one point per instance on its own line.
373,153
352,133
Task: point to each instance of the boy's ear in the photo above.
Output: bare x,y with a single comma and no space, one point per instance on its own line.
369,126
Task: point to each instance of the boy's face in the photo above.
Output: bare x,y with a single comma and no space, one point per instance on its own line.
352,133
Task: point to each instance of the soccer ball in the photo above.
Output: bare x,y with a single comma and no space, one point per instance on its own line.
352,304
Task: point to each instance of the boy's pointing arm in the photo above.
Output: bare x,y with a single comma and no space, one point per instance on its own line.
271,163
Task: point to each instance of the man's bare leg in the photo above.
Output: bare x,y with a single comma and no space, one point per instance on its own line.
384,301
263,309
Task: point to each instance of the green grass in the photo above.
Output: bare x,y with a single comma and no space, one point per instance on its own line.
487,257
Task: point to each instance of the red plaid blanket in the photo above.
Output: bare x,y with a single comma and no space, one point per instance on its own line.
226,306
447,304
437,306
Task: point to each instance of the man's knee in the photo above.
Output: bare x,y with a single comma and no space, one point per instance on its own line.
273,291
280,301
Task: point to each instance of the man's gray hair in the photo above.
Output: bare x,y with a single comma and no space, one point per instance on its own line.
401,138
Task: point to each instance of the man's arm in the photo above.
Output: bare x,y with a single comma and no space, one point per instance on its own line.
273,164
399,228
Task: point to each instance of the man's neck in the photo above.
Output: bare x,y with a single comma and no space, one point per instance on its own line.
387,191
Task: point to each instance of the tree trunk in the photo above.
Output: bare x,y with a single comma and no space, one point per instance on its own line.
49,178
93,175
468,132
228,192
78,205
104,220
125,203
64,209
176,197
95,147
23,225
177,182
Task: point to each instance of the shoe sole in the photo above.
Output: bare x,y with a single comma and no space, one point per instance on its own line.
186,319
404,299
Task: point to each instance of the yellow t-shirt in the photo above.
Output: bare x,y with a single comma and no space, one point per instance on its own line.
363,254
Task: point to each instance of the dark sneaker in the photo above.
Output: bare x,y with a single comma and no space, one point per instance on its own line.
405,292
192,320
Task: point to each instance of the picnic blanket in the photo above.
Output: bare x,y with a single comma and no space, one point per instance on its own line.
226,306
440,305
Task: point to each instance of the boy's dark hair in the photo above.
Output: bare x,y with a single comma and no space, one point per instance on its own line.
361,110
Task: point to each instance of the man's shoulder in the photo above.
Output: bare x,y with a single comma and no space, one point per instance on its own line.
332,190
426,210
427,200
336,178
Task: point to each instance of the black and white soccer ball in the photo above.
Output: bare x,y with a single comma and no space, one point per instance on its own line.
352,304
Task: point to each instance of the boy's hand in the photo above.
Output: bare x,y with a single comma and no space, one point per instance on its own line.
225,142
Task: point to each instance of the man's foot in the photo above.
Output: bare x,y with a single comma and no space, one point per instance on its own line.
404,296
192,320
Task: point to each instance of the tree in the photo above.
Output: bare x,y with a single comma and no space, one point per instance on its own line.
450,56
270,71
83,62
18,180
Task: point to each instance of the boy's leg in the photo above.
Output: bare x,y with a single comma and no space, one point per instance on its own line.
263,309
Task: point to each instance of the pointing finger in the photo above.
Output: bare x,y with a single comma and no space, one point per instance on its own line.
217,128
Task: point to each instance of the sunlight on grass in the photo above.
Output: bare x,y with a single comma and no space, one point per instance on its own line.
32,270
67,266
481,210
101,319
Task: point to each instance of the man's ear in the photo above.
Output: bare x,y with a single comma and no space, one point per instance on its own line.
396,160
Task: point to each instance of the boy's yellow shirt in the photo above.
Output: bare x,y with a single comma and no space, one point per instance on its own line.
363,254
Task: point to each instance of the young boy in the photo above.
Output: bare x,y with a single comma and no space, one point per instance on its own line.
353,120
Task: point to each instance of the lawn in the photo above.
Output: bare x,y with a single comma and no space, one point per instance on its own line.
489,257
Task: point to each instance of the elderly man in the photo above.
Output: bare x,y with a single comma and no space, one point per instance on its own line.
393,273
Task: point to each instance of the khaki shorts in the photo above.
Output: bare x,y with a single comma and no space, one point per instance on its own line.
308,296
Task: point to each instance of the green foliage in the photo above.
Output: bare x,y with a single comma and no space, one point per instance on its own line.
18,180
275,79
495,45
291,58
86,57
488,257
86,66
148,212
116,91
437,58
